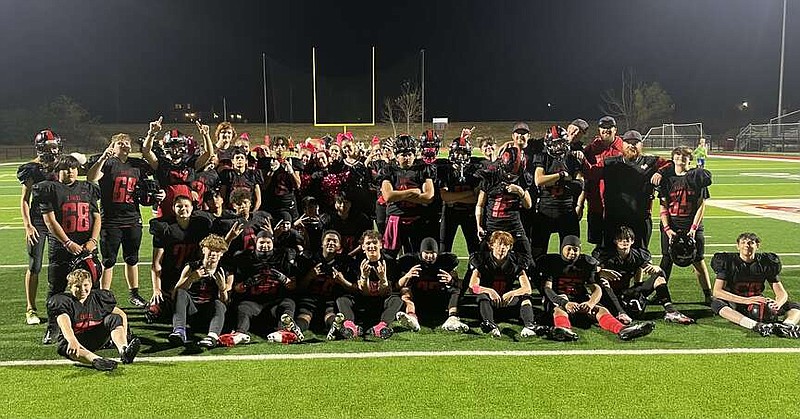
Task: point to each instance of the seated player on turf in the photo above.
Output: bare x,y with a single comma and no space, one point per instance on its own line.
373,292
625,263
739,288
494,274
319,285
430,285
88,318
201,294
567,277
262,282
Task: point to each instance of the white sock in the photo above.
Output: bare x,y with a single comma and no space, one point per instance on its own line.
747,322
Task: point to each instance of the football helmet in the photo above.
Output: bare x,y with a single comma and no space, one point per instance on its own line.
48,146
405,144
176,145
429,143
510,162
89,262
762,312
145,192
682,249
460,151
556,143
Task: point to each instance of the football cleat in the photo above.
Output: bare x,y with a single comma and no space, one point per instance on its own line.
288,324
350,330
490,329
136,300
527,332
764,329
636,330
454,324
381,330
786,330
31,317
50,335
208,342
129,352
408,321
678,317
283,336
104,364
336,327
562,334
178,337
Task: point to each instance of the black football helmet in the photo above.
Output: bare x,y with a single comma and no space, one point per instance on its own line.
460,151
405,144
89,262
48,146
510,163
682,249
145,192
176,145
429,143
762,312
556,143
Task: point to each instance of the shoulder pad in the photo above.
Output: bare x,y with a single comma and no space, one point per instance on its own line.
591,261
27,171
771,264
448,261
700,178
719,262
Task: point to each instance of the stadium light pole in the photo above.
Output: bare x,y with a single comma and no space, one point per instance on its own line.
422,51
780,78
264,81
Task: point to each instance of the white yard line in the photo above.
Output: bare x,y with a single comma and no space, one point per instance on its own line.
423,354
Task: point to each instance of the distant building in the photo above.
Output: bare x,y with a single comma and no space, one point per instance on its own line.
186,113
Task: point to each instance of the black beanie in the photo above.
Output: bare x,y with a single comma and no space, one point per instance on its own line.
429,245
571,241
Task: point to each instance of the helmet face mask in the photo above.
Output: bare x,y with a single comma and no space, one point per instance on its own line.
682,249
405,144
556,143
430,144
176,146
48,146
460,151
510,163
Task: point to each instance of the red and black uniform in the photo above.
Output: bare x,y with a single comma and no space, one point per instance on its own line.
180,245
569,278
596,152
628,197
682,195
30,174
403,217
430,295
74,207
621,295
232,180
175,180
376,167
503,208
377,308
278,191
455,178
122,220
92,321
502,276
747,279
200,304
317,297
349,229
555,207
205,181
260,283
258,221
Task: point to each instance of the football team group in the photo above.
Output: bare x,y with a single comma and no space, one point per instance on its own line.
345,238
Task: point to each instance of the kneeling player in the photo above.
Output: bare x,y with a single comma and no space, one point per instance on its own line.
624,263
88,318
430,282
202,288
493,276
567,276
739,287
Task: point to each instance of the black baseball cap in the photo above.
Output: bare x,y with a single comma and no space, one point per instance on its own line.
581,124
521,126
632,136
607,122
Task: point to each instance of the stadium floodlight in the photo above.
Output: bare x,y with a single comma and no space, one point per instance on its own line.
343,124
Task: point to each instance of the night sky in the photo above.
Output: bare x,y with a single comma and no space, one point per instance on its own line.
128,61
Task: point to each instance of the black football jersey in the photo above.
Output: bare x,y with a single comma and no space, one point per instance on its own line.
558,197
180,246
32,173
746,278
83,316
258,278
205,289
324,285
373,282
428,279
682,195
403,179
259,220
570,278
118,206
233,180
628,191
205,181
280,191
73,206
459,179
350,229
500,277
627,266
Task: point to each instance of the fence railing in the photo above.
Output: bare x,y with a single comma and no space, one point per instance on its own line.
769,137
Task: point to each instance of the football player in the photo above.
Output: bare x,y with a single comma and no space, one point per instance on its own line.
241,177
243,217
739,290
263,282
349,224
557,174
373,292
407,188
224,133
48,149
201,294
494,274
281,180
457,185
87,318
624,263
568,276
69,208
430,285
117,175
682,194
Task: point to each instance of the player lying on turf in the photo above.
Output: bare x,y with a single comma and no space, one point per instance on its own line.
88,318
624,263
568,277
739,288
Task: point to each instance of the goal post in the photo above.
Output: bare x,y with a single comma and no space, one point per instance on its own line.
321,120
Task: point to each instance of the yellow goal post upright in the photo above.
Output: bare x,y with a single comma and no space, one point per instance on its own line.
343,124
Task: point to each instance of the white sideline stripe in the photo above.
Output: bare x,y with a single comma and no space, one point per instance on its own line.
758,158
423,354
